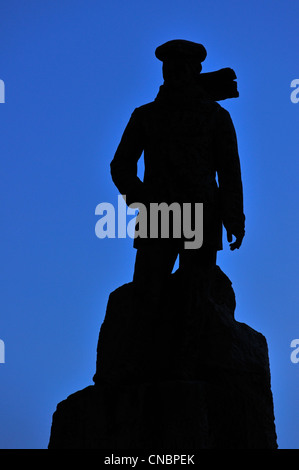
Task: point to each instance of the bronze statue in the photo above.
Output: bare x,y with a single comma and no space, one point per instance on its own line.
172,352
187,139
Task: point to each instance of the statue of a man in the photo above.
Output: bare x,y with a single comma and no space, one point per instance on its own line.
188,140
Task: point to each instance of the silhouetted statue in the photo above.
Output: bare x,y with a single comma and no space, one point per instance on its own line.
170,350
187,139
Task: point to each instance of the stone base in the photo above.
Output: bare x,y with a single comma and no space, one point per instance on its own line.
163,416
185,375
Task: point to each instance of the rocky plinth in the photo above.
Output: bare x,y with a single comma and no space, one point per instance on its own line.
181,375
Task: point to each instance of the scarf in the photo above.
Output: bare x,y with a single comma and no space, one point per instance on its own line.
210,86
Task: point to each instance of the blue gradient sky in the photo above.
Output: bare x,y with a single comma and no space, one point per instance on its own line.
74,71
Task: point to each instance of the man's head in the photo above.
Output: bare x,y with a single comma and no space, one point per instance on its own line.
181,60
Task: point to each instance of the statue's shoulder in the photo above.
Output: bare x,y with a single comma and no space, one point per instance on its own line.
146,108
146,113
154,109
211,106
220,109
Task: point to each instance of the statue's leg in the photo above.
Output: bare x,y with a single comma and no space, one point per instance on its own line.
195,267
197,263
153,265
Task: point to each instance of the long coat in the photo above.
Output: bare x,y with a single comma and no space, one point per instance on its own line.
187,141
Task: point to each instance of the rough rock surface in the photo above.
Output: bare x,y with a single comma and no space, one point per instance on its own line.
183,375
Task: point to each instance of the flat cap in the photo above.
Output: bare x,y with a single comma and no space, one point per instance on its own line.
180,48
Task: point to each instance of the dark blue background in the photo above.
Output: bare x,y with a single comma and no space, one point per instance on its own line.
74,71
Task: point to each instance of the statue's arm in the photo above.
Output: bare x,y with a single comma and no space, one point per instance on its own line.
124,164
229,178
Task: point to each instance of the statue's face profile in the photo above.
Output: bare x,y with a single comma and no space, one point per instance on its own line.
178,71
